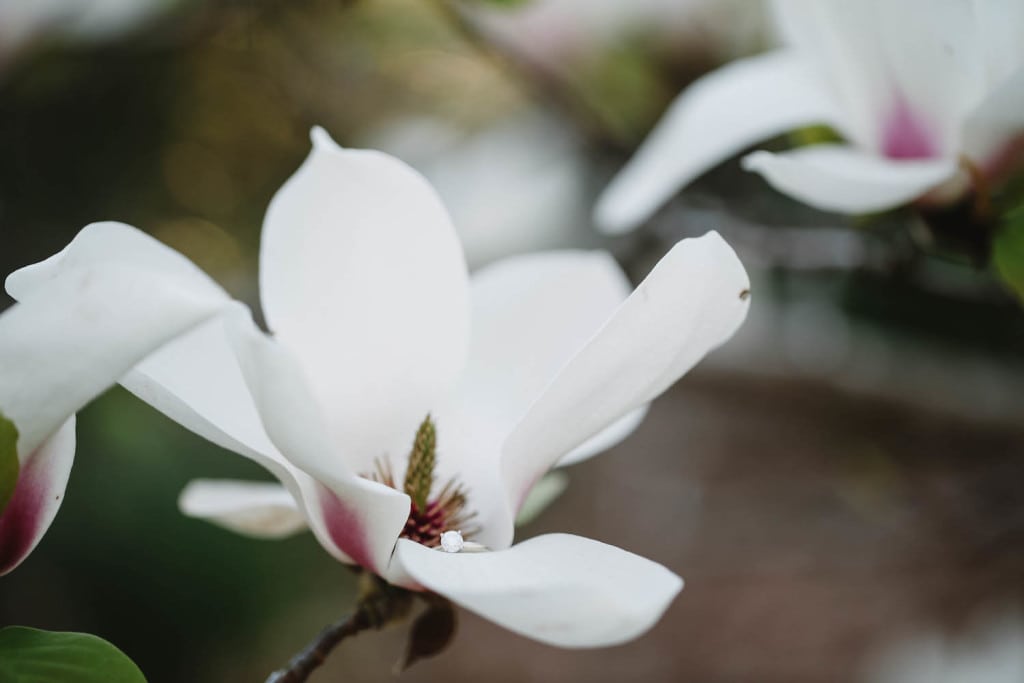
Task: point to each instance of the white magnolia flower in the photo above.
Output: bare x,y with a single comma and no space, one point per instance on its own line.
540,360
916,87
990,650
70,338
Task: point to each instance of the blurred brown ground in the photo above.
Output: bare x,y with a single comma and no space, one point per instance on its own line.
810,526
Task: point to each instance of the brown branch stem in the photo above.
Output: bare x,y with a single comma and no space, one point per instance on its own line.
302,665
379,605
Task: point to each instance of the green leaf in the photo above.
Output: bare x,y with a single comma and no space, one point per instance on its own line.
8,460
1008,251
28,655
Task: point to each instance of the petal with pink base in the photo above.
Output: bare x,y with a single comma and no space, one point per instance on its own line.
37,497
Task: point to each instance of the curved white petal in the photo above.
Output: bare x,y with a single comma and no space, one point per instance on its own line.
111,242
197,381
550,487
258,509
845,180
693,301
364,517
718,116
558,589
994,131
363,279
74,334
530,315
610,436
37,497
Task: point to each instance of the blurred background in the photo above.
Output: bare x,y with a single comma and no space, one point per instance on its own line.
840,485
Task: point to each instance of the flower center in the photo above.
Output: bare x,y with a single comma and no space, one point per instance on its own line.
432,516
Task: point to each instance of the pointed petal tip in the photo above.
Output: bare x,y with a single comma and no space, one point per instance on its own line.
322,140
614,215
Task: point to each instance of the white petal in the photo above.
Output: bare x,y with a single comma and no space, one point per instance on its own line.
197,381
367,517
693,301
605,439
547,491
718,116
37,497
111,242
845,180
73,335
558,589
531,314
362,277
251,508
992,135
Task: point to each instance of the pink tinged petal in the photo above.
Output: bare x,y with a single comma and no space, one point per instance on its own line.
558,589
845,180
692,302
362,517
37,497
75,333
718,116
258,509
531,314
197,382
905,134
363,279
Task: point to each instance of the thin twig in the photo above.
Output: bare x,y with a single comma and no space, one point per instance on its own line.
379,606
313,656
538,81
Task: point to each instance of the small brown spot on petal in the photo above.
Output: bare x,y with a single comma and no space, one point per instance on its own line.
744,295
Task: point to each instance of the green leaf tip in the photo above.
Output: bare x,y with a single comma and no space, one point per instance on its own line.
28,655
419,475
9,465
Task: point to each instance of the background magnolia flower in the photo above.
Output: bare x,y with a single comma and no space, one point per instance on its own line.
538,361
535,198
916,88
70,338
24,21
555,30
990,650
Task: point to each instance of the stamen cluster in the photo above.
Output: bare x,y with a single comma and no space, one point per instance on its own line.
429,517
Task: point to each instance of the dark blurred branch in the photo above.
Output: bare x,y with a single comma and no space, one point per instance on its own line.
379,606
540,82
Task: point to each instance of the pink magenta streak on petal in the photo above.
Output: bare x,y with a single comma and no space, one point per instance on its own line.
345,529
21,520
904,135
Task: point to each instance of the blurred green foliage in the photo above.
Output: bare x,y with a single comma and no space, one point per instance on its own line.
8,460
1008,250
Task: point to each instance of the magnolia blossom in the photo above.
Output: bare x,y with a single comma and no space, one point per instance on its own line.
382,347
925,93
536,198
552,31
990,650
71,337
23,21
